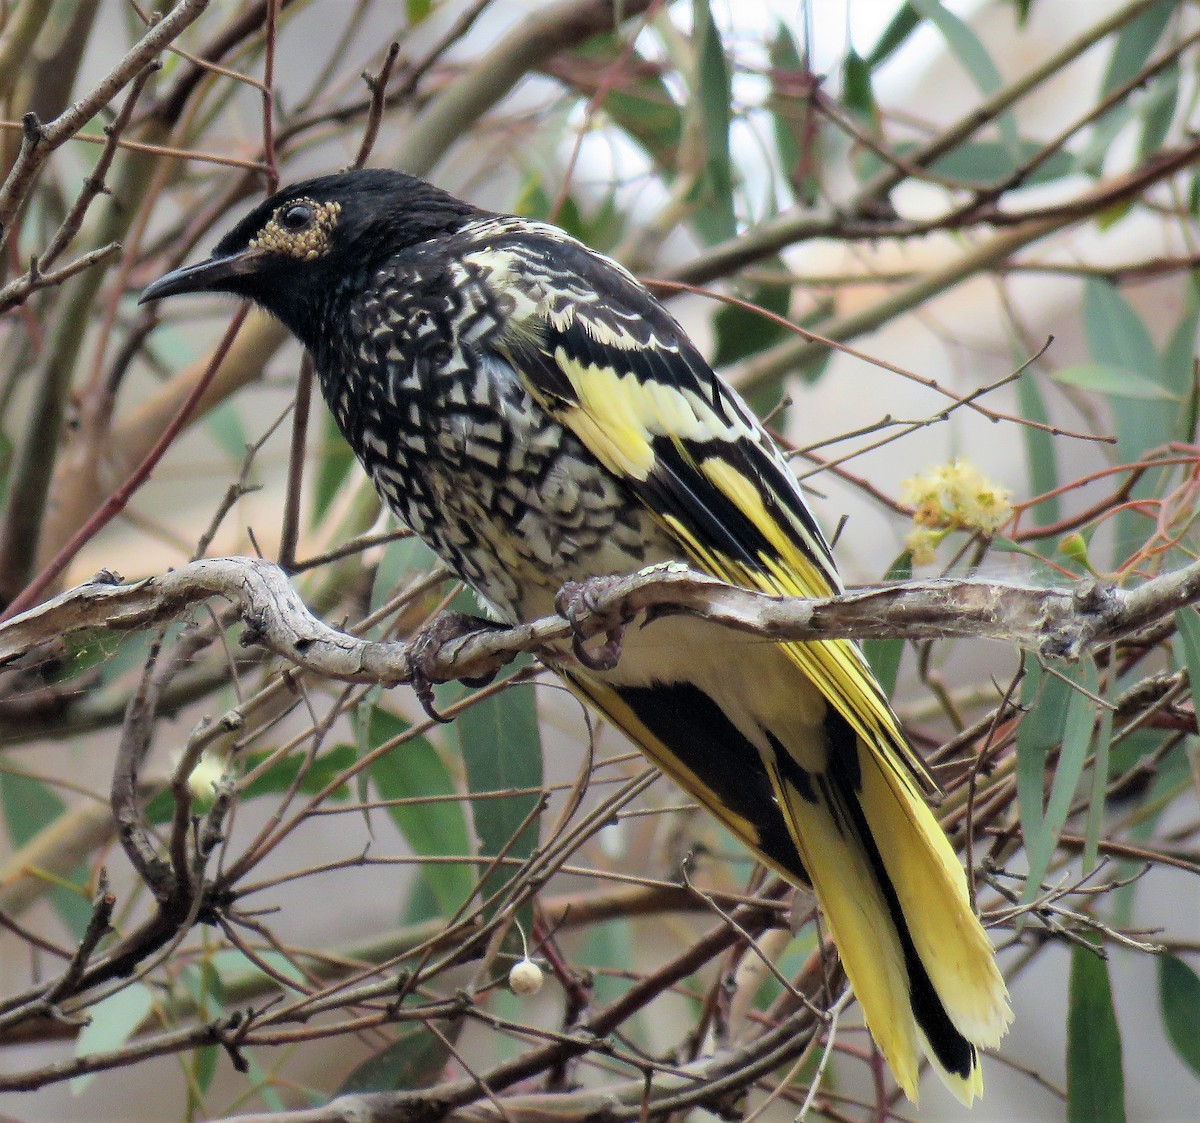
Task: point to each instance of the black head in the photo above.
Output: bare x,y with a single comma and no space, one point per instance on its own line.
293,251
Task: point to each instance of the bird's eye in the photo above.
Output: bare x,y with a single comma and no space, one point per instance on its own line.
297,217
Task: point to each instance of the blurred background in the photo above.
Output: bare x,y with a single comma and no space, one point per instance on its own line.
935,189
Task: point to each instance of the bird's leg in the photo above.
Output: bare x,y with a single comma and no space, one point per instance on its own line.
578,601
424,649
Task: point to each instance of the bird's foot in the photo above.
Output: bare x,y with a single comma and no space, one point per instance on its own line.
580,601
423,670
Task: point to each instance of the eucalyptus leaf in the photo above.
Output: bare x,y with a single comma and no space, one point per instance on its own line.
1179,1001
502,748
412,770
110,1024
1114,381
1095,1078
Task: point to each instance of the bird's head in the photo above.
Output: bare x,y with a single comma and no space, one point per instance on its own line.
294,253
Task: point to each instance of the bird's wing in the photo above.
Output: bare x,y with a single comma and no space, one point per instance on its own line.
616,369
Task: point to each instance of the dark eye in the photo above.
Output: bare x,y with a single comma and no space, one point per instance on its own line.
297,217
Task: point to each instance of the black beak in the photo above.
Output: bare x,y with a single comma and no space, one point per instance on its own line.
217,274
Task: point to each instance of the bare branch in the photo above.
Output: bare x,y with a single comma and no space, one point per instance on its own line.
1061,623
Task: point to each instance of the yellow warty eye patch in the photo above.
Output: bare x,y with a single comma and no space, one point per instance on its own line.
305,245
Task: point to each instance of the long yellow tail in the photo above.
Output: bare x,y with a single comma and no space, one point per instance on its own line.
793,780
895,899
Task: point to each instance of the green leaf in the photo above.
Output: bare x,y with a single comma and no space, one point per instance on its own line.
415,769
987,161
884,654
6,454
857,95
741,332
1076,740
502,749
1179,1001
225,424
1187,627
281,775
1179,362
975,60
400,560
413,1060
1089,159
714,219
1044,698
1041,450
31,806
643,108
111,1023
902,25
1075,737
792,117
1134,43
1104,378
980,163
1116,336
1157,112
1095,1081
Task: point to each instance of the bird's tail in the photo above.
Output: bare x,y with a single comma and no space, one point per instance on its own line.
857,829
895,898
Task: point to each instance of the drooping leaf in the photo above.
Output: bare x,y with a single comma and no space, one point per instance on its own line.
412,1060
1041,450
1157,112
714,218
1044,698
400,561
281,775
857,95
1114,381
980,163
639,102
1179,362
502,749
1116,336
225,424
30,807
1133,45
111,1022
740,332
975,60
1187,627
794,117
1095,1079
413,770
1179,1001
1076,739
902,25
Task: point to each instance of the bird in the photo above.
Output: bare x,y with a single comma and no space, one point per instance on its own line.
537,417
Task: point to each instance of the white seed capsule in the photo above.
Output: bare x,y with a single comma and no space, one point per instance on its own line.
525,977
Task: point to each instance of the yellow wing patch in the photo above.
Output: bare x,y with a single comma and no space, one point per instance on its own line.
835,666
618,415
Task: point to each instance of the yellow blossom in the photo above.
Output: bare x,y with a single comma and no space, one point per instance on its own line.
954,496
922,543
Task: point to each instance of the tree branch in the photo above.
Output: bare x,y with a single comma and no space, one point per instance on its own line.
1061,623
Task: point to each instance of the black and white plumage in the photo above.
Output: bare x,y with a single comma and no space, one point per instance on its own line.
536,416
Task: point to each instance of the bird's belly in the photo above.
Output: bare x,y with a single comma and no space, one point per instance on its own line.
516,509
